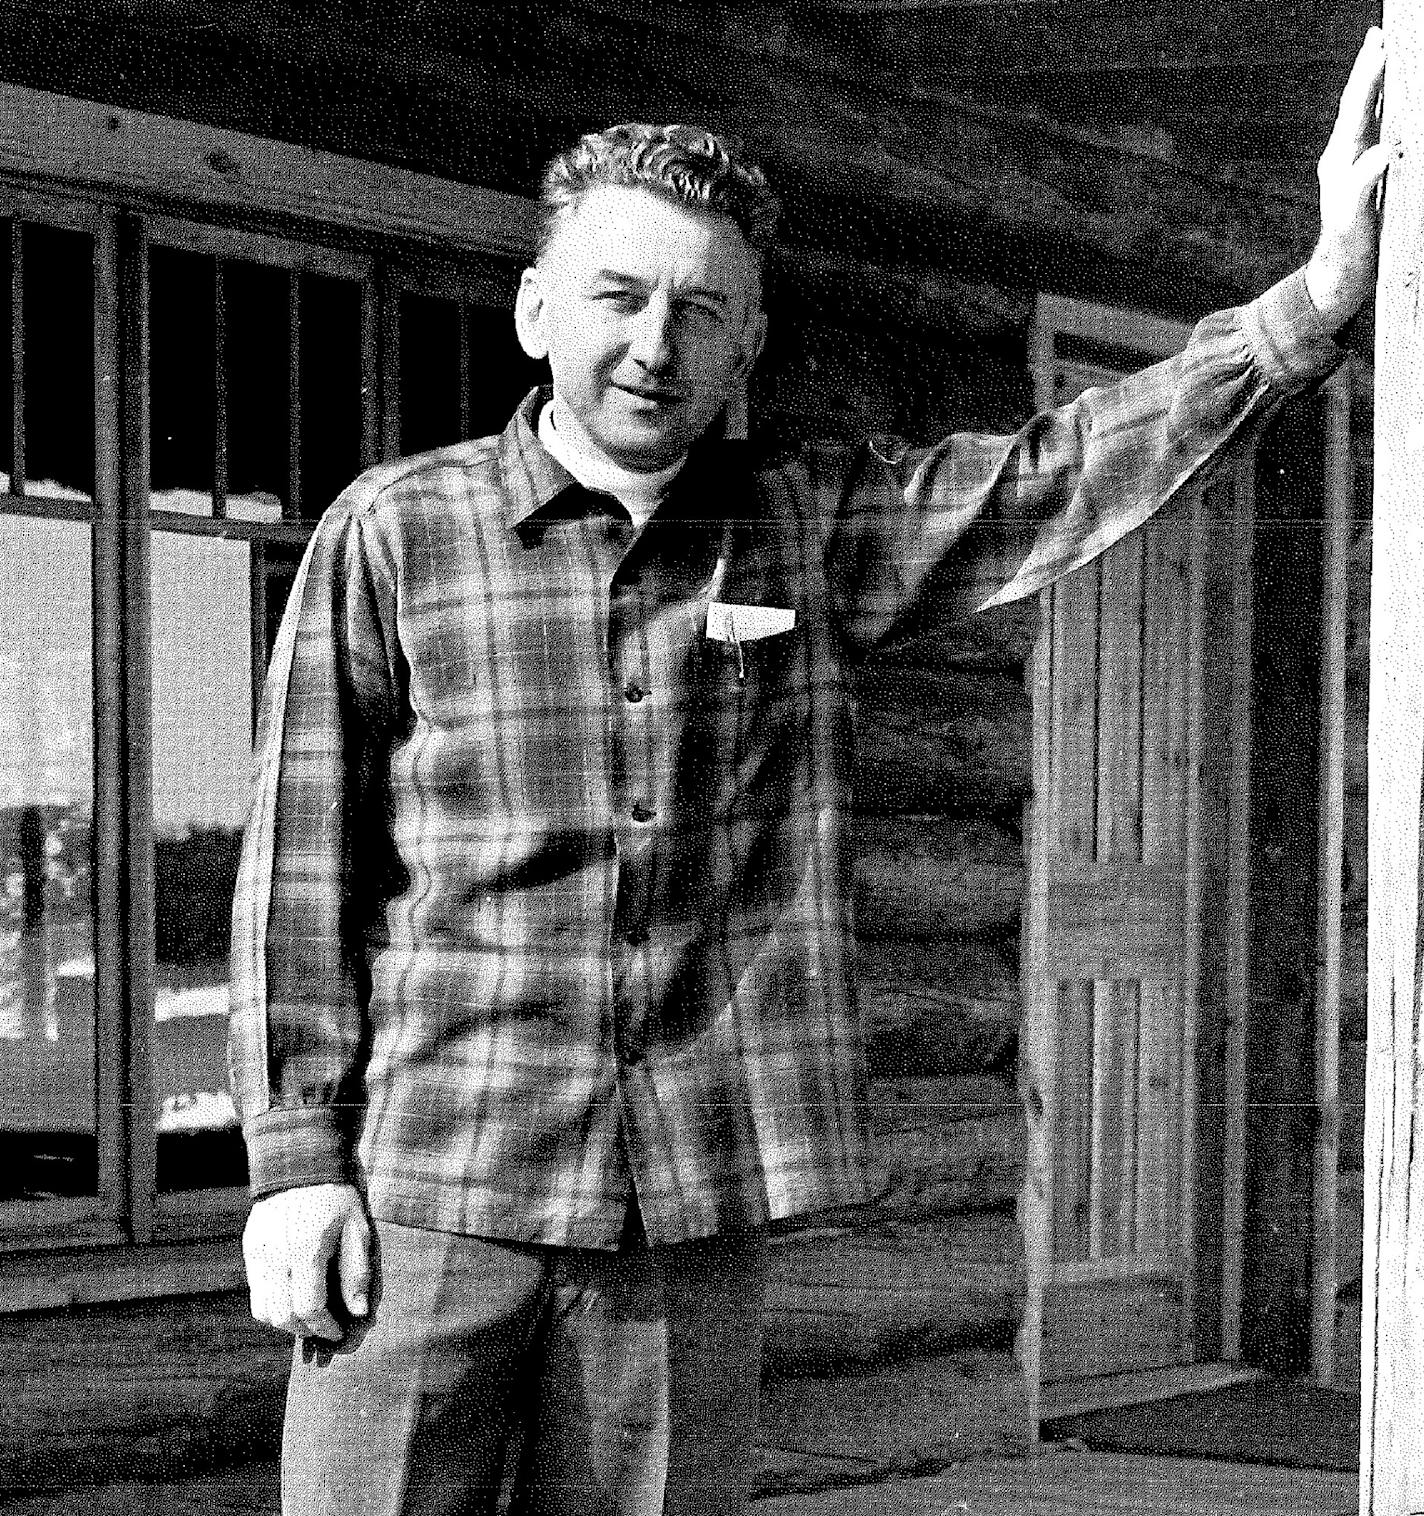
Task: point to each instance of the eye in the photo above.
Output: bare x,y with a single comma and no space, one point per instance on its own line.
616,299
702,313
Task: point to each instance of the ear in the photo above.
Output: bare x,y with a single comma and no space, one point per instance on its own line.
753,340
529,313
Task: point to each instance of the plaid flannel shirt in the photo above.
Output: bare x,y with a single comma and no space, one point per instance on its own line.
544,903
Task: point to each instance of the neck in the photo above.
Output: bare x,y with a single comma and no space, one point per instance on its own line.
570,443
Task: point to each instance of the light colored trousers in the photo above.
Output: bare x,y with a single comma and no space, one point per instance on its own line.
622,1383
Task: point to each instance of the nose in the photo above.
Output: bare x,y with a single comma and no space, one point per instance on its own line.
652,344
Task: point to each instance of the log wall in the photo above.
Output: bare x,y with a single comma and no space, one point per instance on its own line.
890,1337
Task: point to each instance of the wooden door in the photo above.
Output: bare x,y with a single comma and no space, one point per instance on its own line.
1135,949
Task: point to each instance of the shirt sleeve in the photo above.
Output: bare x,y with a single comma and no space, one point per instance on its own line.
309,877
993,519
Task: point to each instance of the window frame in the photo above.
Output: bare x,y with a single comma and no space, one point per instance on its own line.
134,182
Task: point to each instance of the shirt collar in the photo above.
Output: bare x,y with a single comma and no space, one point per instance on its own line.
533,477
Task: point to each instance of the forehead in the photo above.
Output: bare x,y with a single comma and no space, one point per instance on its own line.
648,237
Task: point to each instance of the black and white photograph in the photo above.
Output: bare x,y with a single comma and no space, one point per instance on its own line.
711,758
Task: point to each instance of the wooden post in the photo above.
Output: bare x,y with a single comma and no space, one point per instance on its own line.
1392,1337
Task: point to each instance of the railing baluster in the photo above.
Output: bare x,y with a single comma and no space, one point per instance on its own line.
220,481
292,510
17,356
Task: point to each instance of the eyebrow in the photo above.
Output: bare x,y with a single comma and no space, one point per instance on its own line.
631,281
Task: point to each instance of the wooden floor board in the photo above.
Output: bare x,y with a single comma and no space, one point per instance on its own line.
1057,1483
1070,1483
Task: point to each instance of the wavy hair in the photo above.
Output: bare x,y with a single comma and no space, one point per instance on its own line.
682,163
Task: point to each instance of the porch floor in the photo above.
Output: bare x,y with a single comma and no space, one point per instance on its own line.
1059,1482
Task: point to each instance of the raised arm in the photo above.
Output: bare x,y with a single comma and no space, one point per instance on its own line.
980,520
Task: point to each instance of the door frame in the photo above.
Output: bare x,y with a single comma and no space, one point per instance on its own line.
1213,1187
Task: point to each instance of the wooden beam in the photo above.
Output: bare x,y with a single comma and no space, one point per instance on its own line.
1392,1336
82,147
1339,505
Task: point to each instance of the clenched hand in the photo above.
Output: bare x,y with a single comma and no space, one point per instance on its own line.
288,1245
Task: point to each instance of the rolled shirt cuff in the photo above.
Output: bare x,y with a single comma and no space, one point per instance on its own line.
1287,337
288,1146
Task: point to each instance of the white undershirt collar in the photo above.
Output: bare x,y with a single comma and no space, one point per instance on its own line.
570,445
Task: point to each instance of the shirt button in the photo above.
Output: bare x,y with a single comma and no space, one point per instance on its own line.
642,813
634,691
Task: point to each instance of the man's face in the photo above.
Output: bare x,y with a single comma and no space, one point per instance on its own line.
648,312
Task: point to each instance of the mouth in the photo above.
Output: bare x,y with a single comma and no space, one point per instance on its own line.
651,395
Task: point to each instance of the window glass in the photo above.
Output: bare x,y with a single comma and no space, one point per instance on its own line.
182,379
59,361
256,300
47,1084
331,381
202,739
435,394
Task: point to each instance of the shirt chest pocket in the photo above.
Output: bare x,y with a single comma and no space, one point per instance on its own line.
754,679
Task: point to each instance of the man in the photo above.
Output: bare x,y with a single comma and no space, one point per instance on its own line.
541,995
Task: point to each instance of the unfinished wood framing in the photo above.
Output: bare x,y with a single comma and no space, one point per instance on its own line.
1392,1336
1238,502
100,150
1118,877
1325,1251
141,1138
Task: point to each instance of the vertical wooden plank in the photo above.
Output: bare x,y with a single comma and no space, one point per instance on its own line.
1193,932
1166,641
1074,812
1339,506
1119,825
109,1019
1039,1044
1118,839
1238,886
219,387
292,509
1073,1124
138,723
1392,1336
1075,714
17,356
257,623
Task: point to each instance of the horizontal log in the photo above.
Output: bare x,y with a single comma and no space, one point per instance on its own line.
936,741
150,1390
997,641
913,1417
948,1145
931,877
841,1296
951,1006
156,1390
904,43
1167,188
909,295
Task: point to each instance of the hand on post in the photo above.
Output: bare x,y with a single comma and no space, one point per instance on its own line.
288,1245
1340,276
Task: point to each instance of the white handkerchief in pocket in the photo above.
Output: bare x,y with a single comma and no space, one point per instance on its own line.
747,623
